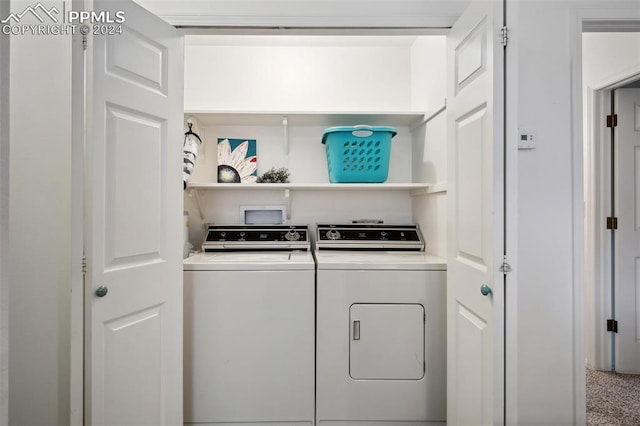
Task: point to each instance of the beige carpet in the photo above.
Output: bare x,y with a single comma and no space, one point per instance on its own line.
612,398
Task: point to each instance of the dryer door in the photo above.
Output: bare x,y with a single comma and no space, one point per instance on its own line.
387,341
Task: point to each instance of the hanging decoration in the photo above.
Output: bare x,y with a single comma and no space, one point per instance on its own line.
191,143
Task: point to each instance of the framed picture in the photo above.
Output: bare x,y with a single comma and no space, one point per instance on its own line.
237,161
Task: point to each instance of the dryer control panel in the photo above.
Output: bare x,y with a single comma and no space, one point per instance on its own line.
369,237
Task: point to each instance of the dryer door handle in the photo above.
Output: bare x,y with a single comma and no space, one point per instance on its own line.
356,330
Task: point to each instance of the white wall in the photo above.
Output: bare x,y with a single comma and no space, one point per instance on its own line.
315,73
607,57
545,311
429,164
428,73
40,233
282,73
429,151
4,222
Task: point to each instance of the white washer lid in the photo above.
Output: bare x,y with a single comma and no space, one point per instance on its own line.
394,260
249,261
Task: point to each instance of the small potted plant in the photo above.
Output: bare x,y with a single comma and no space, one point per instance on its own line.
274,175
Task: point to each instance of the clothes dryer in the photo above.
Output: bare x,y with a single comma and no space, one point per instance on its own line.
381,327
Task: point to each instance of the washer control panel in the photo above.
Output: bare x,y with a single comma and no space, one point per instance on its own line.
251,237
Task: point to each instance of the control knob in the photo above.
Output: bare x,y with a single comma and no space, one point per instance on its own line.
333,234
292,235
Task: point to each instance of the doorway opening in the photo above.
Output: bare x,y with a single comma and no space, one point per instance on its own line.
609,74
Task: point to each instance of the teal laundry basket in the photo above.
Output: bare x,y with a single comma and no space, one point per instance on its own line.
358,154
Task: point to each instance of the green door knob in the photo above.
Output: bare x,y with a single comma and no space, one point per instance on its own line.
485,290
102,291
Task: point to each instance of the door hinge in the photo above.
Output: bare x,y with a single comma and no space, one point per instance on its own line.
505,267
612,325
504,36
612,223
612,120
84,265
84,41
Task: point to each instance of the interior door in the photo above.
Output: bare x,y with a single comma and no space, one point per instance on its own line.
133,286
475,212
627,285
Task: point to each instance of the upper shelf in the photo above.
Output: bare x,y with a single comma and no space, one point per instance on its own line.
414,188
274,118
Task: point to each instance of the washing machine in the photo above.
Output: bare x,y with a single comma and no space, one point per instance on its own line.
381,327
249,327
